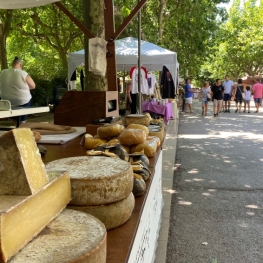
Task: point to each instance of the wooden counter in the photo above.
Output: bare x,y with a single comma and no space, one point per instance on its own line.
120,240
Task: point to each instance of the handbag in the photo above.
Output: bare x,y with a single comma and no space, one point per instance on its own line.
242,93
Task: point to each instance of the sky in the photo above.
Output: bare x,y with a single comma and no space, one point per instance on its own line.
230,3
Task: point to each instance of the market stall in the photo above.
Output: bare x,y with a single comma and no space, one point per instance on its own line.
153,57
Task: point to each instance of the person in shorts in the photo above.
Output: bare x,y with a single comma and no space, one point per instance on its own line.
258,91
188,95
205,97
247,100
217,93
228,86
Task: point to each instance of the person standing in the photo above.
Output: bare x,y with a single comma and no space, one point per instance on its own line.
15,86
228,86
258,91
238,95
217,93
132,100
247,100
205,97
188,94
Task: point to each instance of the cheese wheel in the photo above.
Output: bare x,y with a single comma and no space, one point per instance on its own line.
111,215
132,136
136,157
159,134
155,138
116,149
139,186
110,130
149,147
96,180
91,142
138,126
73,237
142,119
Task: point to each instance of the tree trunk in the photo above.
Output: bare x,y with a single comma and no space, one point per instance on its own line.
5,26
162,5
93,20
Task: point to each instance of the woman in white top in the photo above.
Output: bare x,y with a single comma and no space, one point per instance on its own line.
205,97
15,85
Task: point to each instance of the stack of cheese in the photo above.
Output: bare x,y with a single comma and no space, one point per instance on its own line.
101,186
29,201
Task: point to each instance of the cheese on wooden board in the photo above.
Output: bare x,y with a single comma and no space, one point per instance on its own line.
22,218
138,126
111,215
139,186
22,171
73,237
96,180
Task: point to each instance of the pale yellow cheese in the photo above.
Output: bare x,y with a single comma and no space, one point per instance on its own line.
96,180
22,171
111,215
22,218
73,237
142,119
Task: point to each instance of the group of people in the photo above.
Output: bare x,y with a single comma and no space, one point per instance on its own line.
222,94
15,86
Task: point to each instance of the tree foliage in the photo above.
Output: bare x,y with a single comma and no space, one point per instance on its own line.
238,49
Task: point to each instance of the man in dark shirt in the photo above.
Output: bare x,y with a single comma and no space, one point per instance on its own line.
217,92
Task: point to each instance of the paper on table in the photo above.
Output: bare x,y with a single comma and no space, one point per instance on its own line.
62,138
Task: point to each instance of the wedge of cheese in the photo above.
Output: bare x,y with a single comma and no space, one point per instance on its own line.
111,215
73,237
22,171
96,180
22,218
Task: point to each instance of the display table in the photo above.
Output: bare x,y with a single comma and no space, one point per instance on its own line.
136,240
165,110
19,111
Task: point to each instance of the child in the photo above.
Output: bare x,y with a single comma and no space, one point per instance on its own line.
247,100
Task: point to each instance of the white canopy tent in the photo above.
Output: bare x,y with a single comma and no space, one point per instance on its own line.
153,57
21,4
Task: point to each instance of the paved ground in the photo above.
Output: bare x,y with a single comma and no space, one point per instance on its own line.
216,211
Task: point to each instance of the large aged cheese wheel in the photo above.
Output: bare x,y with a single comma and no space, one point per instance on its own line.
132,137
142,119
111,215
22,218
110,130
96,180
73,237
22,171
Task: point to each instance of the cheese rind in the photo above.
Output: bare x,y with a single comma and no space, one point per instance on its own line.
111,215
96,180
22,171
25,218
73,237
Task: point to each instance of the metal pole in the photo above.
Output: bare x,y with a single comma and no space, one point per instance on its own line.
139,62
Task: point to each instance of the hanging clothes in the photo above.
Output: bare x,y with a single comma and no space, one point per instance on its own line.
134,78
151,80
97,55
167,83
82,79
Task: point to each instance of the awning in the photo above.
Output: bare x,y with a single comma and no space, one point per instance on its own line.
21,4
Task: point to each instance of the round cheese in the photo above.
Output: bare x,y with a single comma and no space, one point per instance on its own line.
132,136
142,119
96,180
111,215
138,126
73,237
110,130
